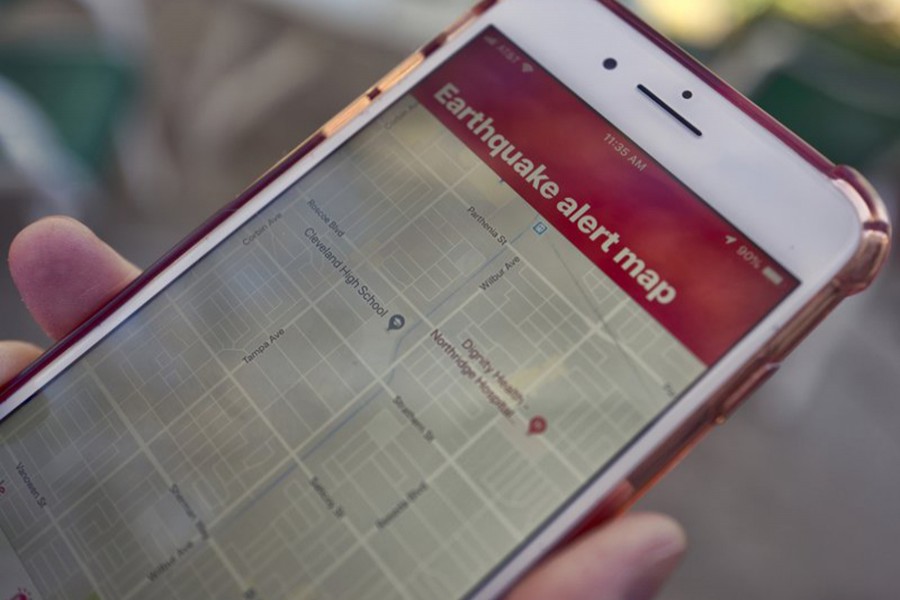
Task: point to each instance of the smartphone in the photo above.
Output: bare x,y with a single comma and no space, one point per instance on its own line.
507,288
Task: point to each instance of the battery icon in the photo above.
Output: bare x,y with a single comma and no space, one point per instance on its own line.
773,276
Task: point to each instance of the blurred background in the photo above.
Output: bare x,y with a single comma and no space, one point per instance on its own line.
141,118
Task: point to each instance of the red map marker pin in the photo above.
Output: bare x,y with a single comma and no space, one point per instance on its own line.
538,426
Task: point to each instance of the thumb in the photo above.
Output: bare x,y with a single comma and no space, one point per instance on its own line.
65,273
629,559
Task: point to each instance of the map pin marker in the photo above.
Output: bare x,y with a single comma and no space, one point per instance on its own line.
538,426
397,322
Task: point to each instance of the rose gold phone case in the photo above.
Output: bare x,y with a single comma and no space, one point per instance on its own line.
856,276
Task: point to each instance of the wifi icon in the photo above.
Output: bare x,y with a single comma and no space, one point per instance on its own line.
527,67
491,40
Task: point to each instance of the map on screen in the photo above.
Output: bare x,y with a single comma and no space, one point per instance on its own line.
378,387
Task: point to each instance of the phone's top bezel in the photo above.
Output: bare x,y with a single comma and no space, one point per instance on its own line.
795,213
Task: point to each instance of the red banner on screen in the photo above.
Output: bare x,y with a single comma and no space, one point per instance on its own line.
643,228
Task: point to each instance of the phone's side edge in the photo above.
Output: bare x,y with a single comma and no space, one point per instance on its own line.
857,275
333,126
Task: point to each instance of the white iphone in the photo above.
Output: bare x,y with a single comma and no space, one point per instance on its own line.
509,285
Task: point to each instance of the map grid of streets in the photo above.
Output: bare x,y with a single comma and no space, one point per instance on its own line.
260,430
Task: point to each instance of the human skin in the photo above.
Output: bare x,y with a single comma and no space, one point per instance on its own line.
64,273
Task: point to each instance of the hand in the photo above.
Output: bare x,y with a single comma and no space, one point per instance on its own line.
65,273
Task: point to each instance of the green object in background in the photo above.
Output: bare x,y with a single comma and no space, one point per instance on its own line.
81,88
845,131
841,99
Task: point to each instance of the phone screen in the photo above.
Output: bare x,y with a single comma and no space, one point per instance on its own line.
395,373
